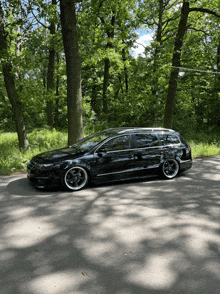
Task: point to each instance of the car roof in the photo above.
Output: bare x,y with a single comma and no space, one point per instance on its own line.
123,130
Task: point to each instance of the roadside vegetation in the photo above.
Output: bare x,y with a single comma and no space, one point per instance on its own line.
12,160
203,143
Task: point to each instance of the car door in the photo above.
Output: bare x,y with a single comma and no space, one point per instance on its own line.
147,153
113,159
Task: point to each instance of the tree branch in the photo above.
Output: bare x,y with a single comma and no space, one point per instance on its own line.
197,30
46,27
206,10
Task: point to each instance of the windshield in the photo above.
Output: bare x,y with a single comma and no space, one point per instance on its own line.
89,142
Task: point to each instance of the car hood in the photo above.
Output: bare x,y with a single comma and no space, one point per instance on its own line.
57,155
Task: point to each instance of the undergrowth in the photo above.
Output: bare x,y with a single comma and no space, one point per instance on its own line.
11,159
204,144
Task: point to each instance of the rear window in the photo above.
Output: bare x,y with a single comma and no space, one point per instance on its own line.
183,141
168,139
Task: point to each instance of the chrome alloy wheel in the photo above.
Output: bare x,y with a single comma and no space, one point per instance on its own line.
170,168
75,178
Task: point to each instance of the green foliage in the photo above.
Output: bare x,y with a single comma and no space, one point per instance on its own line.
203,143
139,103
204,150
11,159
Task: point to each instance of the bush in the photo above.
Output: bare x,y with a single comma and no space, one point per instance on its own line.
11,159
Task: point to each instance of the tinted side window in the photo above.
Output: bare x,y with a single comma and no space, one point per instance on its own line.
118,143
167,139
146,140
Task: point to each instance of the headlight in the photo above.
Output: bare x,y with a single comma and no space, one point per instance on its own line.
48,167
44,167
57,165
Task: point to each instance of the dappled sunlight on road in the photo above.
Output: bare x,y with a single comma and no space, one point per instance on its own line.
67,282
142,237
28,232
156,271
153,247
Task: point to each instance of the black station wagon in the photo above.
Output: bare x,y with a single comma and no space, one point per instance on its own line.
112,155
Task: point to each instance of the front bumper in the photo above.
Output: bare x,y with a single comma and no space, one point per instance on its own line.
43,181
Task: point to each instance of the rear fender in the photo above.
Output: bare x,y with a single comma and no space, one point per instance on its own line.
173,154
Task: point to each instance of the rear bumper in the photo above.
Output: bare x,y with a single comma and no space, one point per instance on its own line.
185,164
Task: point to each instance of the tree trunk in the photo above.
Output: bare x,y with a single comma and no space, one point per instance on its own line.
171,95
50,87
56,108
73,70
154,87
105,85
218,83
94,102
10,87
50,74
110,34
125,69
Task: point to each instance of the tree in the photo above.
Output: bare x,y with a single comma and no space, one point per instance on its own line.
176,60
9,80
50,70
48,12
170,103
73,69
157,15
117,89
106,31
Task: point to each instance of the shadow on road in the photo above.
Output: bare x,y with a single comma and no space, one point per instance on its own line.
140,237
21,187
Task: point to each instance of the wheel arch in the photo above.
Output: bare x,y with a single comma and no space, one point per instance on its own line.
76,163
175,171
71,166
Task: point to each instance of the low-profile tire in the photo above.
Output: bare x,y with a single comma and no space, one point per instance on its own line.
76,178
170,168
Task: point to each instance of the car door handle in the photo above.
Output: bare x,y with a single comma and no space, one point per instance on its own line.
138,155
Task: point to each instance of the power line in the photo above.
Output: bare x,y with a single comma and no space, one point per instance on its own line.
185,68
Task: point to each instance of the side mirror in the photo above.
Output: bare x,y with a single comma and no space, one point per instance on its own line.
101,150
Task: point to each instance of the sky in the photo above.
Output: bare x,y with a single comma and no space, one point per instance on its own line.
144,40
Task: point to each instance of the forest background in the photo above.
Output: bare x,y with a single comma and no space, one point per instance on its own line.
68,69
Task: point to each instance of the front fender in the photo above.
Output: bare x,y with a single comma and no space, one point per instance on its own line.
75,162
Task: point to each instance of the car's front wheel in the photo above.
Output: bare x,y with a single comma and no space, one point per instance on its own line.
76,178
170,168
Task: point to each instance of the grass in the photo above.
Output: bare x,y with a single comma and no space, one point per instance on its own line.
204,150
204,144
12,160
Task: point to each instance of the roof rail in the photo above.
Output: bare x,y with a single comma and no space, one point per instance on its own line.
162,129
146,129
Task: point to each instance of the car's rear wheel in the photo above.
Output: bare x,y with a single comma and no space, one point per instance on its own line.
76,178
170,168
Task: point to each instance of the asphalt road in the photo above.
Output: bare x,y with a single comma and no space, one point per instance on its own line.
145,237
